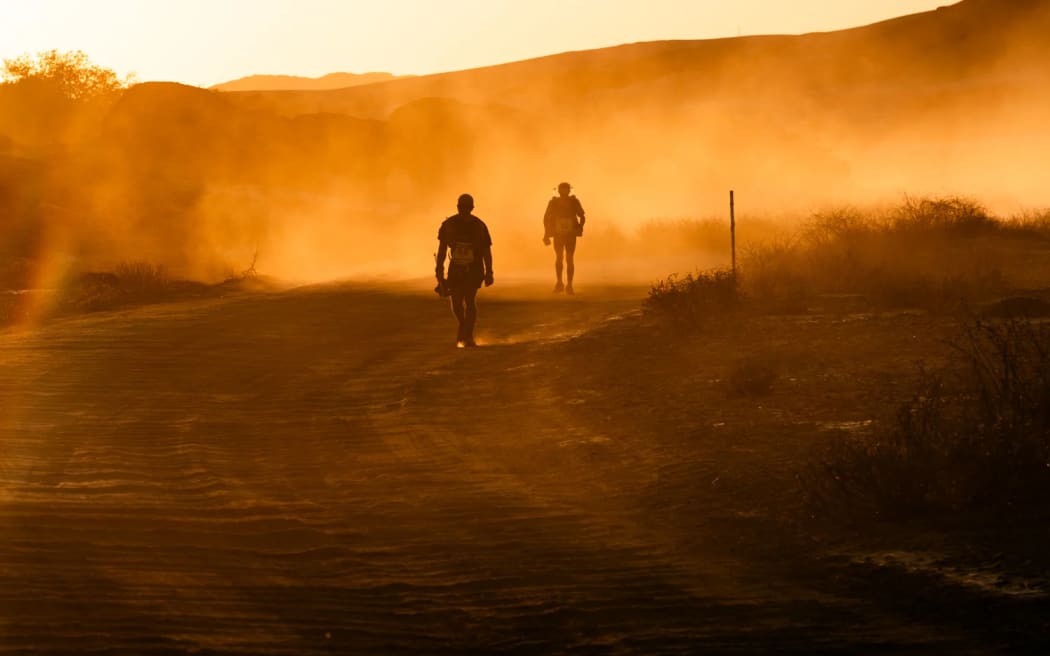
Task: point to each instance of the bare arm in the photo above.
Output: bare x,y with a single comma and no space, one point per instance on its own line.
486,257
439,269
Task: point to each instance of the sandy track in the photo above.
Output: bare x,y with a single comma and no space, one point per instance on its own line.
319,471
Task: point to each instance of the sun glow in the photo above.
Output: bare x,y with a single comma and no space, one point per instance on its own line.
206,42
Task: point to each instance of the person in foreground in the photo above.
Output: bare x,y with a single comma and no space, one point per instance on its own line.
563,221
465,239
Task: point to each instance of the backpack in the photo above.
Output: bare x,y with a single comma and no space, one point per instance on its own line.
563,219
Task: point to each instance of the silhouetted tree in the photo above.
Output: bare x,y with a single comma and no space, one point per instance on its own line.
71,74
51,97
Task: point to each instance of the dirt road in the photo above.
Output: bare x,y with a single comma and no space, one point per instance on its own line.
320,471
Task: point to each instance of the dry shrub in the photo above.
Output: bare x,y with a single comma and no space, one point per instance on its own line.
90,292
131,283
694,301
1032,222
973,438
951,216
939,254
775,274
142,278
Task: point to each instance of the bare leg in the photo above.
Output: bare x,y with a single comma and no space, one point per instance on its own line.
465,307
458,297
470,316
570,262
559,254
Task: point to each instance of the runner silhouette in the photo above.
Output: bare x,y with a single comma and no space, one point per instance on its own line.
563,222
466,240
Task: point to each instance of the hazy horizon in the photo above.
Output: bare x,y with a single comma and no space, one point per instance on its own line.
945,103
239,38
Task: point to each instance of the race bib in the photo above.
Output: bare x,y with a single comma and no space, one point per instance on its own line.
565,225
462,253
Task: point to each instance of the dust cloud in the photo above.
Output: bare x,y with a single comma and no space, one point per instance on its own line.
313,185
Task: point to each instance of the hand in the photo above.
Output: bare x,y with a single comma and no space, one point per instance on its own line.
442,288
546,241
488,279
579,230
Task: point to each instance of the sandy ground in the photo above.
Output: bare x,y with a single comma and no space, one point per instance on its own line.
319,470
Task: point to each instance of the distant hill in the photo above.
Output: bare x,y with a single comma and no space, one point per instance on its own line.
296,83
920,102
958,45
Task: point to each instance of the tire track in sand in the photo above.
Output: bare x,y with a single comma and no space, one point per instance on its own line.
294,473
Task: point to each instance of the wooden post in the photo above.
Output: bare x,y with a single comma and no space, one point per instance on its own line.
732,230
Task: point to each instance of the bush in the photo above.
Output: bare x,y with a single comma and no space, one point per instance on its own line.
694,300
939,254
1032,223
952,216
131,283
142,279
975,437
775,274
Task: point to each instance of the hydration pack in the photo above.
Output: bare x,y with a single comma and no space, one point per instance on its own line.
564,219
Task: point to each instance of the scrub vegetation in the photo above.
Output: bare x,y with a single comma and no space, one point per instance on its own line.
973,438
937,254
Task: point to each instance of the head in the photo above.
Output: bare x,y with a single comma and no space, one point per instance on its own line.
564,189
465,204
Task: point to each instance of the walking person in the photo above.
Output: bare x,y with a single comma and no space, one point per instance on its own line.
563,222
465,239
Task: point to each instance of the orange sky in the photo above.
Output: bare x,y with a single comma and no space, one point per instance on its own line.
204,42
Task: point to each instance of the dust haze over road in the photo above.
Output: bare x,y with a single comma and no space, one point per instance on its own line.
317,471
334,183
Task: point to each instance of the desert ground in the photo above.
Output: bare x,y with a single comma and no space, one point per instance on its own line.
197,458
319,470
